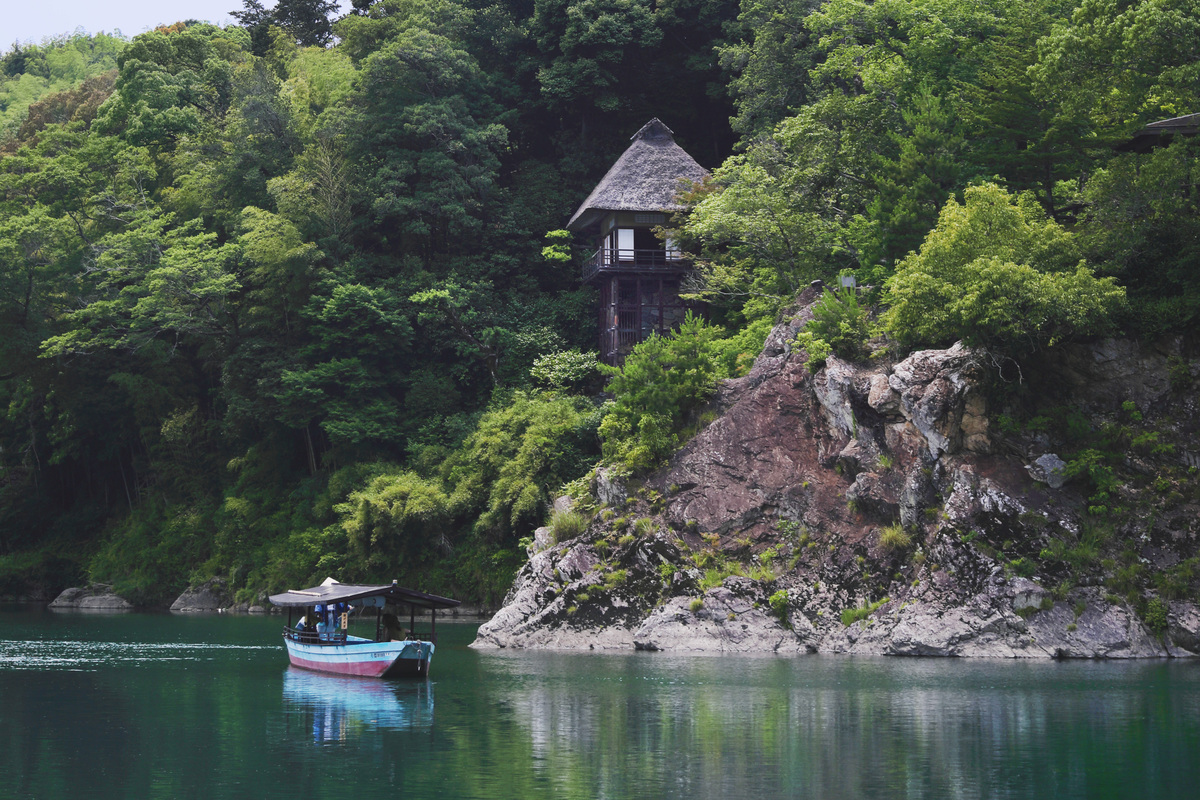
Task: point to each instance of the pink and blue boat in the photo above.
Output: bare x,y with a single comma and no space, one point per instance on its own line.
321,641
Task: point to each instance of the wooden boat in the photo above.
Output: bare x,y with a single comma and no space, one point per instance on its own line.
320,640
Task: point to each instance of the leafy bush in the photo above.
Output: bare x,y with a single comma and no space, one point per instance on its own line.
839,325
565,370
663,381
996,272
1156,616
779,604
505,470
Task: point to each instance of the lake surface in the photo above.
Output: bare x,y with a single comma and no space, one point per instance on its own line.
167,706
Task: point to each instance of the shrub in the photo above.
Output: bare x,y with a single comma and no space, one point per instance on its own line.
779,604
1156,615
643,527
996,272
662,382
839,325
567,525
566,370
696,604
615,578
853,615
894,538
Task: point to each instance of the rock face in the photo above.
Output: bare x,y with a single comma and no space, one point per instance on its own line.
876,509
209,597
97,597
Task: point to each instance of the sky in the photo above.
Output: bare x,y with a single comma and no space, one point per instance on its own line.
34,20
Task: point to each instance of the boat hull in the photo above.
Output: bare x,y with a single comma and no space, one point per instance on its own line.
363,658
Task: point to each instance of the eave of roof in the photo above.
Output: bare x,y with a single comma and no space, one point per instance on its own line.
647,177
333,592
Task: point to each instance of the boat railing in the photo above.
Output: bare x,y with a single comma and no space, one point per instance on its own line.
312,637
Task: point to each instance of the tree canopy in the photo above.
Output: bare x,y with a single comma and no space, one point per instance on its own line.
287,297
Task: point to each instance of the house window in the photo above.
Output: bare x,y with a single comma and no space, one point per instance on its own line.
650,219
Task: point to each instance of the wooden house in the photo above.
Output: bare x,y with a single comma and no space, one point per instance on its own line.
637,274
1161,133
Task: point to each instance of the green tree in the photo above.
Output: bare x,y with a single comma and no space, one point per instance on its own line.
662,383
996,273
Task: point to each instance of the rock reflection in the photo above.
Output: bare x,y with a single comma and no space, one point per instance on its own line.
721,727
341,707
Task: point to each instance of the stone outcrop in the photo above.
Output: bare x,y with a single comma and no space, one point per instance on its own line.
96,597
877,509
209,597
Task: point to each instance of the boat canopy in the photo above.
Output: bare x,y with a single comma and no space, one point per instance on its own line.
359,594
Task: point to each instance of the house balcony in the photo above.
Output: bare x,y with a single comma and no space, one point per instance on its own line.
611,259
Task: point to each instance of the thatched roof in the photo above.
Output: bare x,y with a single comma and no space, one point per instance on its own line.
645,178
1161,133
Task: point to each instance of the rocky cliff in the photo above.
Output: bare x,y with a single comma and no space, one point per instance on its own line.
935,505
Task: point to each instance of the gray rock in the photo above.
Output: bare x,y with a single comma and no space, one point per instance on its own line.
724,621
1027,595
932,385
882,397
97,597
209,597
834,388
610,490
762,475
1049,469
543,538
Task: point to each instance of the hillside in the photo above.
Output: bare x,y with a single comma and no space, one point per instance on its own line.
880,508
293,298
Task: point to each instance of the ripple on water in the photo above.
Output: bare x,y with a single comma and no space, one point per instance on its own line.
85,655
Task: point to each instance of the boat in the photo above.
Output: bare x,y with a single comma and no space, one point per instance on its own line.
321,641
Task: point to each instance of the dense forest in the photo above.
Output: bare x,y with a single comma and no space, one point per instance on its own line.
290,299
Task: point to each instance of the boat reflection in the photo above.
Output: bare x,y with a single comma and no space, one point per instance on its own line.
340,707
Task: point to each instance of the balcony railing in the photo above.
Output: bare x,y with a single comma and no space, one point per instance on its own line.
611,259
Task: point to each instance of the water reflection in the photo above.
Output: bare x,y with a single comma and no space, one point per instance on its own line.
818,727
341,707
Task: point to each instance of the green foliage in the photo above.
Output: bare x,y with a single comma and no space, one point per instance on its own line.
853,615
662,383
565,525
327,267
997,273
567,370
1156,616
32,74
894,538
839,325
1094,466
517,455
644,527
779,603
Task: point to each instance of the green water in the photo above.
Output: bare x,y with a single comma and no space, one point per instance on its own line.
163,706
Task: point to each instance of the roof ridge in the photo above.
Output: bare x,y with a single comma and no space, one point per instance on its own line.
654,129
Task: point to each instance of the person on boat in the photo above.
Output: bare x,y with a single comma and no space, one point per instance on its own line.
393,631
